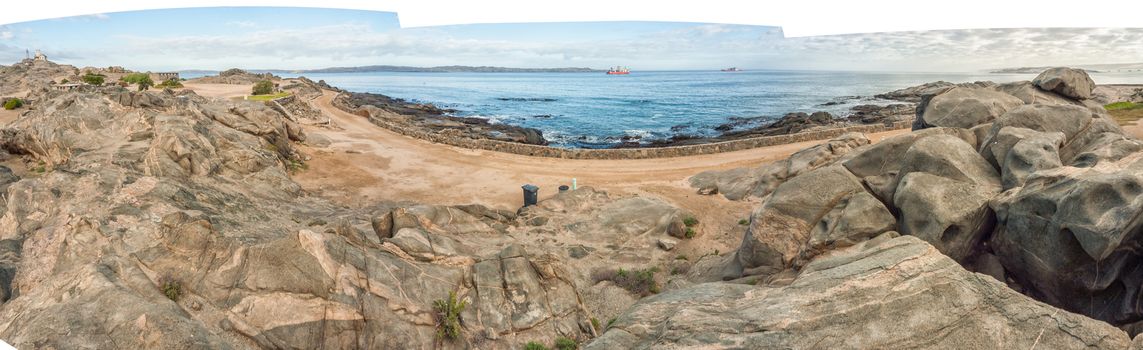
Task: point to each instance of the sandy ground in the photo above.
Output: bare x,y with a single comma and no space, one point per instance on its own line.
387,166
219,90
366,164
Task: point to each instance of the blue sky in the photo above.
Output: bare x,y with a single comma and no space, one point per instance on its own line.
303,38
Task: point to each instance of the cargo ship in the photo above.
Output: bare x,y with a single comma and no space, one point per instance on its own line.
732,69
619,70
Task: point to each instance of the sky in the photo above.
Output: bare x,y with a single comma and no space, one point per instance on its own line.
308,38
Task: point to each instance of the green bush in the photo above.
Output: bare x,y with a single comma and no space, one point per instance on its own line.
743,222
171,83
690,233
264,87
448,316
13,104
690,221
535,346
641,282
64,81
171,287
93,79
1122,105
142,79
563,343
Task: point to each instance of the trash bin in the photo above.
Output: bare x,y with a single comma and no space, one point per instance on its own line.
563,188
530,194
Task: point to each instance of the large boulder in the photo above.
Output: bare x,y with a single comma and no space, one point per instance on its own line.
877,165
802,217
964,107
1070,82
886,293
951,215
1082,129
950,157
1070,236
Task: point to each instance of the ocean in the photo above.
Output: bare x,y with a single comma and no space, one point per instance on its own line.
595,110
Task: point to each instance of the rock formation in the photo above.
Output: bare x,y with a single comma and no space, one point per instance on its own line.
1028,183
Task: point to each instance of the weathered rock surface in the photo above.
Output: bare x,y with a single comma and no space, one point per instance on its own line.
742,183
963,107
885,293
1070,82
803,217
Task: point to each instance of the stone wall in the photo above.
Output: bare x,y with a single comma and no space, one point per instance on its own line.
632,153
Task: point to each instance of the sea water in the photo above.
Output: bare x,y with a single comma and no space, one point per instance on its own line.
596,110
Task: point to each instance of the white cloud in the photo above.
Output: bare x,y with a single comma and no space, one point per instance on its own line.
698,46
242,24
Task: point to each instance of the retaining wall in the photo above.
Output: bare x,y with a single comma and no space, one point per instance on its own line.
633,153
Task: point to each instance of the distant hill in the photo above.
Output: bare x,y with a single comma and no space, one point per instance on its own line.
1091,68
449,69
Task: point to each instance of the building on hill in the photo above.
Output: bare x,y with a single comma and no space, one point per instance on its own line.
164,76
40,56
66,87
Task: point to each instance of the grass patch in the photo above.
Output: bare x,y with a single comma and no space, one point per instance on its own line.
267,97
743,222
689,233
595,324
448,316
563,343
1125,113
641,282
535,346
13,103
171,287
690,221
1122,105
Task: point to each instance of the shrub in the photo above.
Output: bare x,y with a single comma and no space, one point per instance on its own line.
690,221
743,222
263,87
93,79
563,343
611,322
595,324
65,81
171,287
13,104
535,346
641,282
690,233
170,84
448,316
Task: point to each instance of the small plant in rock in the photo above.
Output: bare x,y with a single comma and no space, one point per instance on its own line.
743,222
448,316
13,103
171,287
611,322
535,346
564,343
595,324
641,282
690,221
689,233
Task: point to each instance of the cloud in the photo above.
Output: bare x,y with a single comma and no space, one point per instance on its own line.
242,24
696,46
